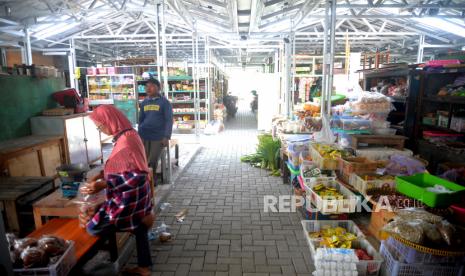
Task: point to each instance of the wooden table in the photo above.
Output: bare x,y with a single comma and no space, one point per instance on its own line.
21,191
68,229
54,205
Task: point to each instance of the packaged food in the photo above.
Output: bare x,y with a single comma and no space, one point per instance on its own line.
446,230
431,233
21,244
410,230
34,257
88,204
401,165
52,245
337,237
418,213
10,238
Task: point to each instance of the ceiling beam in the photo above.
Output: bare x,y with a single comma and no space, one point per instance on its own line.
282,11
182,12
256,14
232,10
307,8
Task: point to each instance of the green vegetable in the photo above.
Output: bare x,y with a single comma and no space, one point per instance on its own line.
267,155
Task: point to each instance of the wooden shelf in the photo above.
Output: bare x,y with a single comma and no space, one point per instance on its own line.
448,100
441,128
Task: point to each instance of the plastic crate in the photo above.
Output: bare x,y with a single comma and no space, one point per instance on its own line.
355,124
362,185
409,254
293,157
317,225
297,146
61,268
350,165
333,206
304,157
415,186
311,180
393,267
323,163
364,267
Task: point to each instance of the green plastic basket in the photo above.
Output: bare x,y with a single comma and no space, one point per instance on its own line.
415,186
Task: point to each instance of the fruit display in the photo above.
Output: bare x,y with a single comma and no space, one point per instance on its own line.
327,192
337,237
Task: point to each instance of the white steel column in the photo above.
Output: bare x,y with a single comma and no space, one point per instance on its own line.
165,57
331,56
287,78
207,80
197,82
293,71
27,47
72,64
324,82
421,48
157,29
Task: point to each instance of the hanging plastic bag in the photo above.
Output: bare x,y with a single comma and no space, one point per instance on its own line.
88,204
325,135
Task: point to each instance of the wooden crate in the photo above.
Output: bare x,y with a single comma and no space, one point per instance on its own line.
394,141
35,155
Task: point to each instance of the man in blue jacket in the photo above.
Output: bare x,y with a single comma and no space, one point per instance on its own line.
155,122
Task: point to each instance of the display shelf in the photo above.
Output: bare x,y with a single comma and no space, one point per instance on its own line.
188,113
117,86
447,100
435,127
187,101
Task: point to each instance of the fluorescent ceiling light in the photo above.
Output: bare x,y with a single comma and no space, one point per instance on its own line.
443,25
54,53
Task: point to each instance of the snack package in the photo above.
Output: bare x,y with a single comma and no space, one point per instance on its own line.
52,245
10,238
431,232
34,257
410,230
401,165
446,230
21,244
418,213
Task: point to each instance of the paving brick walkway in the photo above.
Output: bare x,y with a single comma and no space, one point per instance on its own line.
226,231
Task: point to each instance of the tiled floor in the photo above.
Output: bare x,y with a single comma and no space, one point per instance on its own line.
226,231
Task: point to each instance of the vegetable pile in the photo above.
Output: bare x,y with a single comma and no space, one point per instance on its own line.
267,155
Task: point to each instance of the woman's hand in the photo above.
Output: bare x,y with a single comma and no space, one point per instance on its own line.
93,187
96,177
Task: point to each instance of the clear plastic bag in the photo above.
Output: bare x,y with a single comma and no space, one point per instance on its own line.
325,135
418,213
400,165
411,230
88,205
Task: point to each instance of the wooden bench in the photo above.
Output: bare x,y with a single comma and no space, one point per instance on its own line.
17,195
86,245
68,229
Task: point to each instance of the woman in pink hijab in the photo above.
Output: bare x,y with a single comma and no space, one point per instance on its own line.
128,205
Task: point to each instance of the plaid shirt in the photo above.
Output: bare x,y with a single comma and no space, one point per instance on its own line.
129,200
